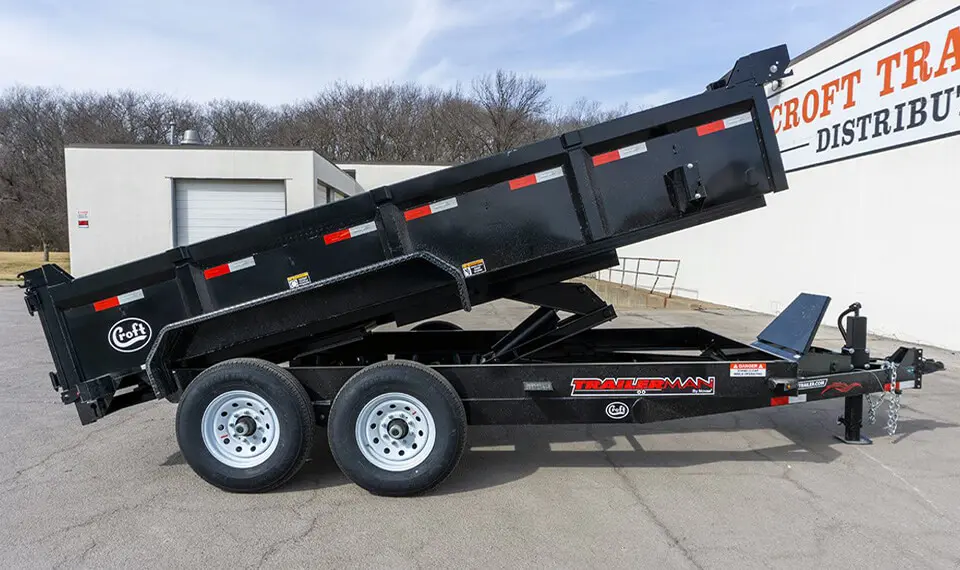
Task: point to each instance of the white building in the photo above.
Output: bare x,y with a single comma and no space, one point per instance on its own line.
867,127
126,202
370,175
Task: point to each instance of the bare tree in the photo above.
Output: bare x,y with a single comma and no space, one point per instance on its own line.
31,166
583,113
345,123
240,123
510,109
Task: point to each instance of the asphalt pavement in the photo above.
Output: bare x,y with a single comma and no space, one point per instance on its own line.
760,489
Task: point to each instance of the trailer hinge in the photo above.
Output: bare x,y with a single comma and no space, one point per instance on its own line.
32,300
95,389
70,396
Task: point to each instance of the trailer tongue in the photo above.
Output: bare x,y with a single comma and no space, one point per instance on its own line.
208,325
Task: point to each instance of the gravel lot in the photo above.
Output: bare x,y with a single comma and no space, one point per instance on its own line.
763,489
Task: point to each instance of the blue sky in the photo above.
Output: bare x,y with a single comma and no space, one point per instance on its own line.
642,52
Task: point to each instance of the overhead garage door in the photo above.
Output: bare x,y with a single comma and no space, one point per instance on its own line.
210,208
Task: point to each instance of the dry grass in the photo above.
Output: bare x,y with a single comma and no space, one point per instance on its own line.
14,262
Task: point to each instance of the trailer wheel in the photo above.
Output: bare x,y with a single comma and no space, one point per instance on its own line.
245,425
397,428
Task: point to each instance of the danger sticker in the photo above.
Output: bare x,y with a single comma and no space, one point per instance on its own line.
748,370
298,280
472,268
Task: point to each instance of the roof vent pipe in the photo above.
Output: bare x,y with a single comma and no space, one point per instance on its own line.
191,137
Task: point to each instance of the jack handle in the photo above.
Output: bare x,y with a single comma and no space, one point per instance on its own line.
855,309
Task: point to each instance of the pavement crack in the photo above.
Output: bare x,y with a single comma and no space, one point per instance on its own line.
930,504
97,518
785,476
84,440
312,495
628,486
86,551
275,547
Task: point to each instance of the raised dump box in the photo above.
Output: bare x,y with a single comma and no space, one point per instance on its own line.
198,323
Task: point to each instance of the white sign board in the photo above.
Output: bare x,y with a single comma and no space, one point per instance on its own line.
904,91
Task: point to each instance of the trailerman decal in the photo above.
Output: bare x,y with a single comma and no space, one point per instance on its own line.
605,387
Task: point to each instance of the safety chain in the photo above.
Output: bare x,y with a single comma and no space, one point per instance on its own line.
872,407
893,403
893,414
893,409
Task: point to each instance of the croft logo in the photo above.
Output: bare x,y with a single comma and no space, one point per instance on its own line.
617,410
129,335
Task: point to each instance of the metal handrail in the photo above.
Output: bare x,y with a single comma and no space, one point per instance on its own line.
657,273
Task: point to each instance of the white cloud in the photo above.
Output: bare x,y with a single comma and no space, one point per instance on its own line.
286,50
561,6
582,22
444,74
580,72
243,52
392,55
33,55
655,98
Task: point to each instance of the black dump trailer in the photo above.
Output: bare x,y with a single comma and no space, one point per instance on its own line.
262,334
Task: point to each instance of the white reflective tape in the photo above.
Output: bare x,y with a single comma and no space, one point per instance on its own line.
130,297
633,150
736,120
442,205
549,174
798,399
363,229
909,384
241,264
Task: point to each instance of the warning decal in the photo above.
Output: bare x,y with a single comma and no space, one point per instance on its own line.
748,370
298,280
472,268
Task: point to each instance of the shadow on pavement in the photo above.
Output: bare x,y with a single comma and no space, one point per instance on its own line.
319,472
805,440
907,428
499,455
175,459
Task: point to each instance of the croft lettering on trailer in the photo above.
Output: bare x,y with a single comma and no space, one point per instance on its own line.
903,91
129,335
657,386
617,410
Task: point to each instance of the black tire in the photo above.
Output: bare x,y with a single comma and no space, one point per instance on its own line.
413,379
290,403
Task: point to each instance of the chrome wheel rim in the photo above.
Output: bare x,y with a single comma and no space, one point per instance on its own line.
395,432
240,429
